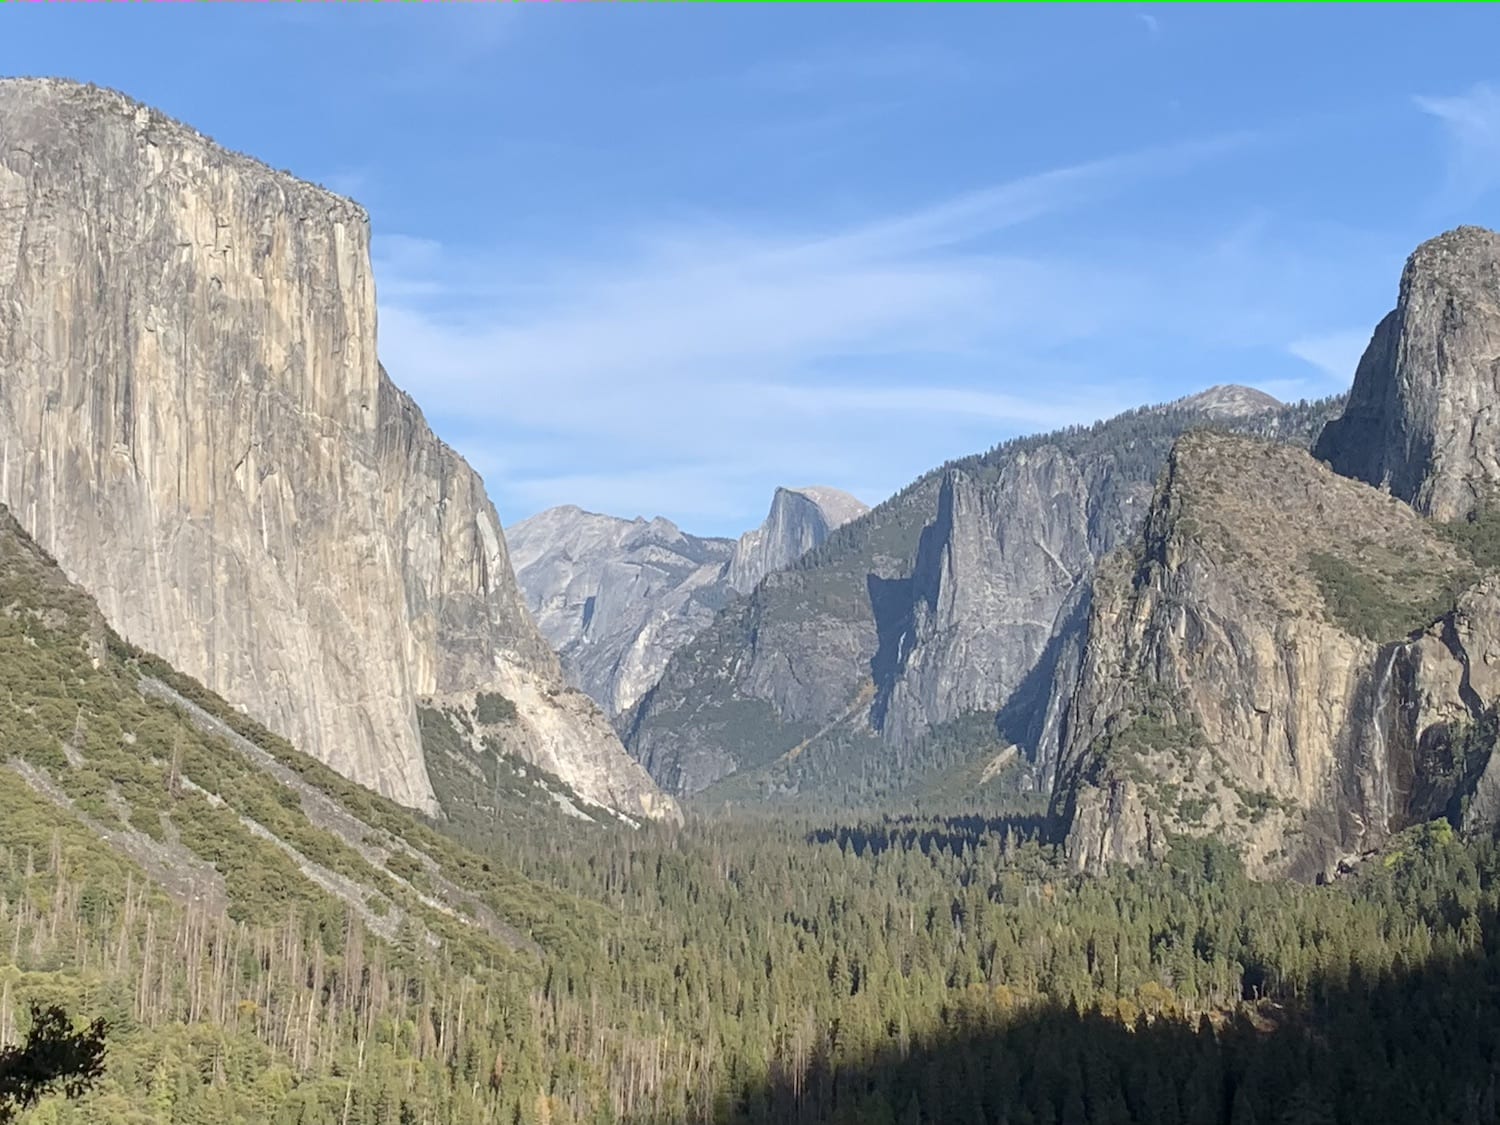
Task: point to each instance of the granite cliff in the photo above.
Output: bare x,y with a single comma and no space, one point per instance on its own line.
1423,420
618,597
799,520
951,602
194,422
1290,659
1244,672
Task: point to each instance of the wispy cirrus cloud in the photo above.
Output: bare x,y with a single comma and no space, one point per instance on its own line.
691,368
1471,124
1335,354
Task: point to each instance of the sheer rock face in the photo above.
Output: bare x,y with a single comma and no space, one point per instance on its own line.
1222,693
194,423
800,519
991,573
1423,418
618,597
1311,645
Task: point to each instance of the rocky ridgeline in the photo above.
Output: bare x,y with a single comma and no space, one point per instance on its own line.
962,595
618,597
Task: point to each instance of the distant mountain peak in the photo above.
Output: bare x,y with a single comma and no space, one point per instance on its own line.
799,520
618,596
838,507
1230,400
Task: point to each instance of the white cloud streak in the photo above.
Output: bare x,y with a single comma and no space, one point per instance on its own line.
1471,123
1335,354
690,372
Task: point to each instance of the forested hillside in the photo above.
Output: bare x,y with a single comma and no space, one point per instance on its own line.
343,962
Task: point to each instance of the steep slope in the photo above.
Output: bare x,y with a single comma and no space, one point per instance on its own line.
1422,420
210,806
194,422
952,600
1248,674
1297,662
270,941
617,597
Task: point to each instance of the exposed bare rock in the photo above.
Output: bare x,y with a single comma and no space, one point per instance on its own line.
1423,418
1277,667
1296,662
194,422
1229,400
965,592
618,597
800,519
990,575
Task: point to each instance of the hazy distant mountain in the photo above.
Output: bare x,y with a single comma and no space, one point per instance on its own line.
618,597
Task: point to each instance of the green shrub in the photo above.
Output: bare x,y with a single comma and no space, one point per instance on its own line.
491,707
1380,606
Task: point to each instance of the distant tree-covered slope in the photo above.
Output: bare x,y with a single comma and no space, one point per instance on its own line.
937,604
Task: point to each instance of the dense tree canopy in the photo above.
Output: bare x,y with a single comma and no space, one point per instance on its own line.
810,968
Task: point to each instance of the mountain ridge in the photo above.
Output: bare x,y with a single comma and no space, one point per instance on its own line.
1317,633
847,646
617,597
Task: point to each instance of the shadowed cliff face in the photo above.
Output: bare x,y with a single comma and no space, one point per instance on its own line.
1422,419
618,597
194,423
990,574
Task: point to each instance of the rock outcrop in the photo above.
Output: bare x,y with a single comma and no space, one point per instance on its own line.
1295,661
800,519
1229,401
990,574
194,423
961,594
618,597
1423,418
1271,668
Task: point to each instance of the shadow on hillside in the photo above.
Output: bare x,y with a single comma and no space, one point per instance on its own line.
891,607
1411,1046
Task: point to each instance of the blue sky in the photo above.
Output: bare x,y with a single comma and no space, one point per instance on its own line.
660,259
